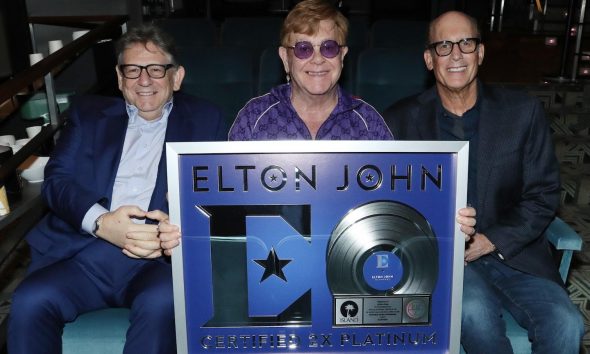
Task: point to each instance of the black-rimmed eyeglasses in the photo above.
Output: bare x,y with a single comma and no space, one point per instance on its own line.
155,71
444,48
304,49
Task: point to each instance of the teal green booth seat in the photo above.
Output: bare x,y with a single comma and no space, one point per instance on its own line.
224,76
385,75
251,32
191,31
566,241
103,331
270,70
97,332
398,34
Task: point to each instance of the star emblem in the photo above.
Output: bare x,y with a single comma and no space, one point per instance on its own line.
272,265
369,177
273,178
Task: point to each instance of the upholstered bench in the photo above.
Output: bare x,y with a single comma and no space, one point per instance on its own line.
97,332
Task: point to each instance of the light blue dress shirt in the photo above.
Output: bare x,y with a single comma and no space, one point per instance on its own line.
138,167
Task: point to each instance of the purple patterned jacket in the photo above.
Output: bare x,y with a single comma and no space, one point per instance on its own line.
272,117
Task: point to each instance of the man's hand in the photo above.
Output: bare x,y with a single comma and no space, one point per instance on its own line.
136,240
478,246
169,236
466,218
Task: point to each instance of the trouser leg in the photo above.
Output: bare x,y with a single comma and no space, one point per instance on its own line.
482,328
44,302
554,323
150,298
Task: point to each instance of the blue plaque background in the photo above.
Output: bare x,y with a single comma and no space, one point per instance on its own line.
218,185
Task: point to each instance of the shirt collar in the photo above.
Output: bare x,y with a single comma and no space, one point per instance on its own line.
136,120
441,110
345,101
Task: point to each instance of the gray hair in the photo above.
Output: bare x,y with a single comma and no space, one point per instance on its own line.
145,34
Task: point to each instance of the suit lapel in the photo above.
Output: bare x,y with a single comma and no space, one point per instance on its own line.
174,132
428,115
110,136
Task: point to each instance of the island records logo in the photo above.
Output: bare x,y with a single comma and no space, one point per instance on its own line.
349,311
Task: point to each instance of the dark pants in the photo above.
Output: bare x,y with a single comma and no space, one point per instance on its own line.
100,276
542,306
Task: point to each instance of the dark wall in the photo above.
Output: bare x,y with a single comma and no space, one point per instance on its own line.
5,66
14,37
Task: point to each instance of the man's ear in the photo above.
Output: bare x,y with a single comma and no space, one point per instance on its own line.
119,77
344,51
480,53
428,59
178,77
284,58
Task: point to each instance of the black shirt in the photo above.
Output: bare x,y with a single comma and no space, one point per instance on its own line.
463,128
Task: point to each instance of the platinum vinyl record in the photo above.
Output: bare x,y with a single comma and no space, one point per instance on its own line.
382,248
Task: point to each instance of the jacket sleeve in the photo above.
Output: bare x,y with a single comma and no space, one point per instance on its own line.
64,194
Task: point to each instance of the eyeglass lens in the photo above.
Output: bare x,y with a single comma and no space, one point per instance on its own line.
466,46
155,71
328,49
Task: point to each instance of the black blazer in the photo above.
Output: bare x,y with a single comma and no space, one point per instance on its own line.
517,180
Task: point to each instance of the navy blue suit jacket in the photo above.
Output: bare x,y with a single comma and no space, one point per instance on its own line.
83,166
517,179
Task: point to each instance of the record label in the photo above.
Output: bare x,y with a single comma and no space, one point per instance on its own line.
382,270
383,310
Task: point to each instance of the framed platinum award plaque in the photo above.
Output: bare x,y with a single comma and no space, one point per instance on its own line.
317,246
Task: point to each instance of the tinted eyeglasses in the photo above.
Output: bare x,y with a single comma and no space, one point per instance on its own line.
328,49
444,48
155,71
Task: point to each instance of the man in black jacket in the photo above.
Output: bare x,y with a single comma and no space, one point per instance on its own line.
514,185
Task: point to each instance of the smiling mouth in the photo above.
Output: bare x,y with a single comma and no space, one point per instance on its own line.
151,93
457,69
317,73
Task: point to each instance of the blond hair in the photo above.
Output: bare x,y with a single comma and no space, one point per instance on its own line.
306,16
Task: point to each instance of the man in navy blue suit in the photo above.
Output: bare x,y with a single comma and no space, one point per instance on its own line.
513,184
105,186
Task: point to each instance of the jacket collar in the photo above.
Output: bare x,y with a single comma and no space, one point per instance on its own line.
429,107
111,127
345,101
